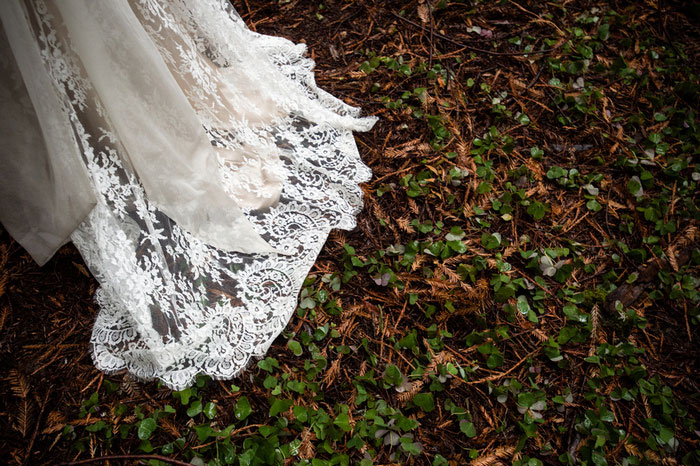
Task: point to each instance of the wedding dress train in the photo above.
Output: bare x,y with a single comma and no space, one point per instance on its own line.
194,163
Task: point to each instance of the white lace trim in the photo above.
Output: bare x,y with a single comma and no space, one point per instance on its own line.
172,307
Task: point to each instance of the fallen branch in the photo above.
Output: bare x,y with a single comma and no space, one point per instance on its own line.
126,457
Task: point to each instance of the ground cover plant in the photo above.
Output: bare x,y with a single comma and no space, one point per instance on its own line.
522,287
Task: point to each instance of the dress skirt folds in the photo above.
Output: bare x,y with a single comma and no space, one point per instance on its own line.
194,163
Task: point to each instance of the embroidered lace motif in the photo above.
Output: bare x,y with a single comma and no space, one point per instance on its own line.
170,306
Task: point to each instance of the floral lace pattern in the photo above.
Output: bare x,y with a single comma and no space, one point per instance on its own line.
171,306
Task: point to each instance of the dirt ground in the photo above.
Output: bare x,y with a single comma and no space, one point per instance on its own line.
46,313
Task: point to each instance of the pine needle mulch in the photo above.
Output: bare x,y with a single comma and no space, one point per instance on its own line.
522,286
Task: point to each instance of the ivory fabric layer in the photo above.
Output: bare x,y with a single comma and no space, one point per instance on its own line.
45,191
194,163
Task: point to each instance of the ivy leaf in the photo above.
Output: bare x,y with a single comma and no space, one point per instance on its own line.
295,346
440,460
411,447
392,438
146,446
210,410
96,427
494,360
270,382
555,172
593,205
592,190
406,424
146,428
268,364
242,409
167,449
382,280
537,210
195,408
307,303
526,400
608,416
572,313
635,187
665,435
467,428
523,119
204,432
457,246
547,266
301,413
296,386
280,406
392,375
342,420
491,241
455,234
184,395
523,305
483,188
424,401
536,153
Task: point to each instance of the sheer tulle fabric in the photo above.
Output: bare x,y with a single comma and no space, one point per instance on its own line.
216,169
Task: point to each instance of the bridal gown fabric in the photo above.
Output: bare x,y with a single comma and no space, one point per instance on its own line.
194,164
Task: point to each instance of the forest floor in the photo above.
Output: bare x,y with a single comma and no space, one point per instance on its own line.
522,286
